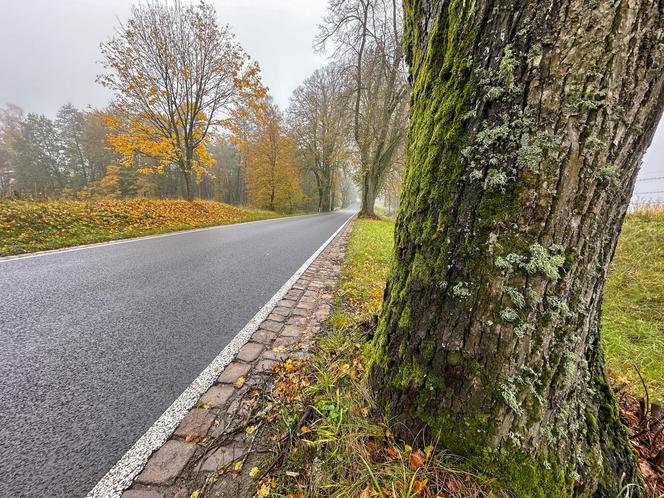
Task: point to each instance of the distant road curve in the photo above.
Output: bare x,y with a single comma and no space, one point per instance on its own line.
96,342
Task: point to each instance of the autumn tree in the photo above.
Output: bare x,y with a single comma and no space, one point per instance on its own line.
366,37
272,174
178,76
318,117
528,125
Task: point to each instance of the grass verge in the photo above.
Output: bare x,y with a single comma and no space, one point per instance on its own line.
633,310
35,226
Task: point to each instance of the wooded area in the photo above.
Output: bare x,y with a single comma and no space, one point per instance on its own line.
191,118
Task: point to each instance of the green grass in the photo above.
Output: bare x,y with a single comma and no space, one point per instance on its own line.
35,226
633,311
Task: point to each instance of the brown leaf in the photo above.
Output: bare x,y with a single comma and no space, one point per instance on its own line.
417,459
367,492
392,453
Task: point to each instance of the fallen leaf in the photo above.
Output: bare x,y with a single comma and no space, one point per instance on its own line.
240,381
262,491
364,411
366,493
305,429
290,473
392,453
195,494
417,459
254,472
250,429
238,465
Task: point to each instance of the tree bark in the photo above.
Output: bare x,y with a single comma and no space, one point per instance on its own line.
368,196
529,121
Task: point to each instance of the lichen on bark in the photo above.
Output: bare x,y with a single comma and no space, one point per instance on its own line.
489,334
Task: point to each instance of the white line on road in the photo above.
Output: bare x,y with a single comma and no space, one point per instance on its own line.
122,474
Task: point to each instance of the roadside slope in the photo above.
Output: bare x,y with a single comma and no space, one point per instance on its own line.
36,226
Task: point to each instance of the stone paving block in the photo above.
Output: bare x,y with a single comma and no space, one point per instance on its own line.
197,423
233,371
297,320
249,352
223,457
286,303
266,365
263,336
292,331
284,342
143,493
165,465
276,317
272,326
281,310
305,305
217,395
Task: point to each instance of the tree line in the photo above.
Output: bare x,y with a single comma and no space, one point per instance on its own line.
191,118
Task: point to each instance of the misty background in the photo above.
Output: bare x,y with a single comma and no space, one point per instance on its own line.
50,56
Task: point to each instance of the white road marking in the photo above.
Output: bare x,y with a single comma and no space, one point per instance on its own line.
122,474
19,257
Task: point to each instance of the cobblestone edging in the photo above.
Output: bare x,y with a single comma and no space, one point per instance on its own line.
211,437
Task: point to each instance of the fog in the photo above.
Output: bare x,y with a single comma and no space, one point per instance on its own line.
50,55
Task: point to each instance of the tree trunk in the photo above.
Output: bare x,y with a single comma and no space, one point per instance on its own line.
529,122
324,197
188,186
368,196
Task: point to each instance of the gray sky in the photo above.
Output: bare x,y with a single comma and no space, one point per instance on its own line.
49,53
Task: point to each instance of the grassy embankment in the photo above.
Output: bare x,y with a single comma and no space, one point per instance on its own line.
35,226
338,443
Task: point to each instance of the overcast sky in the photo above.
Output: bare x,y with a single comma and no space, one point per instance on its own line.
49,53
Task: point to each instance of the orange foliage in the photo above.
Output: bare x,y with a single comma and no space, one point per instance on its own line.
273,180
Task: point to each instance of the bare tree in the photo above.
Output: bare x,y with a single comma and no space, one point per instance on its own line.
317,114
178,75
366,35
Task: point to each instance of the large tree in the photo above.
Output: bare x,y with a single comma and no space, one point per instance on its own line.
272,175
318,118
529,120
366,36
177,75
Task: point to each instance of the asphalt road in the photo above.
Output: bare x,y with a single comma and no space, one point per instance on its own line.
96,343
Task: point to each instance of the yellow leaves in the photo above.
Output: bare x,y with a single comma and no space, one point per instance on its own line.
253,473
250,429
263,491
240,382
304,430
